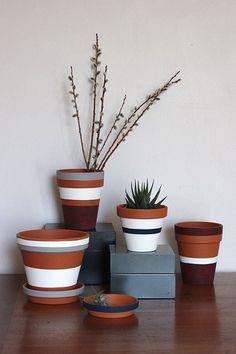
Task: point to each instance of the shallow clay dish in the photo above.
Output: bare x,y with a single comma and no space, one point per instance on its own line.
53,297
119,306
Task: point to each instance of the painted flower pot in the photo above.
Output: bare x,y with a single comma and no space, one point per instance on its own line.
120,306
80,196
141,227
198,245
52,258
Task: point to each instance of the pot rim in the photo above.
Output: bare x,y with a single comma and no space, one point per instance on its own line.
79,173
129,213
52,235
198,228
122,303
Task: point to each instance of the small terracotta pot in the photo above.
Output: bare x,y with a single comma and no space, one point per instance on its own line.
80,196
52,258
198,245
141,227
120,306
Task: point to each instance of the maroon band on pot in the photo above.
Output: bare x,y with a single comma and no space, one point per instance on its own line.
198,228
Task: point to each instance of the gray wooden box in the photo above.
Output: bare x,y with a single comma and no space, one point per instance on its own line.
95,268
146,275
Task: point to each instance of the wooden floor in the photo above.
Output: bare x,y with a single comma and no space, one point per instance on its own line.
202,320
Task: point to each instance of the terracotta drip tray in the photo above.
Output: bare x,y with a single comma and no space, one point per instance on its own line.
119,306
53,297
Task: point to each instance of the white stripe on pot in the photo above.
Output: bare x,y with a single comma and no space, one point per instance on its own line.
80,193
142,223
69,243
192,260
141,243
52,278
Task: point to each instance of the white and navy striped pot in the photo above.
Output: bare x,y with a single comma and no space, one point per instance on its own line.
52,258
141,227
80,196
198,245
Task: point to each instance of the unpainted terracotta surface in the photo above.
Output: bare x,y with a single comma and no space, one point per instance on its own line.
52,260
124,212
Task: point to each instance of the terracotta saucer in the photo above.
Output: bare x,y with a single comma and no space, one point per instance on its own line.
120,306
53,297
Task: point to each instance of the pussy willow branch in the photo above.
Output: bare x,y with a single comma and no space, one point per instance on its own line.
124,127
149,102
94,83
124,135
113,127
76,114
100,123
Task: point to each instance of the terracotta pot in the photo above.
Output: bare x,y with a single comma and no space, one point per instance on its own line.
120,306
52,258
198,245
141,227
80,196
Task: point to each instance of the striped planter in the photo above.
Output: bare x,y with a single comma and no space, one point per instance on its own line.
52,258
198,245
141,227
80,196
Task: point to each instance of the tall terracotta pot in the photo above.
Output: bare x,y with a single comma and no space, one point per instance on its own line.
80,196
198,245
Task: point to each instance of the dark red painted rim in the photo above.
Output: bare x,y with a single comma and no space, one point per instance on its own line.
198,228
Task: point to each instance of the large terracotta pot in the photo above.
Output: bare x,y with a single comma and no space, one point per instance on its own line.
80,196
52,258
198,245
141,227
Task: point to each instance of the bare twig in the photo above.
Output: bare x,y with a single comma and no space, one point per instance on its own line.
123,133
100,122
114,125
95,64
123,128
105,147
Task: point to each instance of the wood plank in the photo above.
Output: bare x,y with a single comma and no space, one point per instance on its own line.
9,285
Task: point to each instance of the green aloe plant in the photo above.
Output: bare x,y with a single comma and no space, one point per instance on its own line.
141,196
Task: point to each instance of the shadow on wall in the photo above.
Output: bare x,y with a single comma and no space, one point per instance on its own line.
56,199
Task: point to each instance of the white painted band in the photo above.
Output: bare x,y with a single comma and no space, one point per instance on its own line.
52,278
191,260
80,193
142,223
69,243
141,243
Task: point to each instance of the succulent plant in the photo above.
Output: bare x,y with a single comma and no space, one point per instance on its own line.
141,196
100,299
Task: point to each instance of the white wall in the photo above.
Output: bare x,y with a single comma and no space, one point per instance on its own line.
186,142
